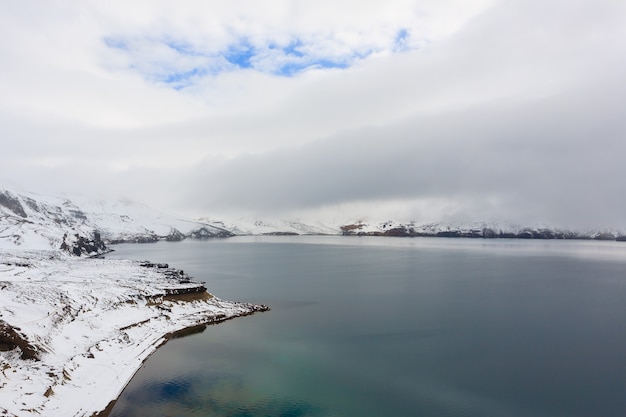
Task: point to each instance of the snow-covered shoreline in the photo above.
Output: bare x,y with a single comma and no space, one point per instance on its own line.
90,323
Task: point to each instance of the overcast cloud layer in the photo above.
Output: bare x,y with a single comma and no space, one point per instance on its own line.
495,110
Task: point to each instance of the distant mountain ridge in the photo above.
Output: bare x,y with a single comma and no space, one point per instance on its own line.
83,226
474,230
256,227
265,227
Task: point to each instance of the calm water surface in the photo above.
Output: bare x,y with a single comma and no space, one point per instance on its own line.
395,327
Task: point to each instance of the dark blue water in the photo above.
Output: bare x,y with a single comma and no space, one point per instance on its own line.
395,327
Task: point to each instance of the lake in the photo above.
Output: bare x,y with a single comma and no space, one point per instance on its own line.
368,326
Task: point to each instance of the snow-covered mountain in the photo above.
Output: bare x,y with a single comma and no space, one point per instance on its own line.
83,226
474,230
34,221
251,226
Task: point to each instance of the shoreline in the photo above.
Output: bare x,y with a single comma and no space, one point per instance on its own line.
184,332
92,323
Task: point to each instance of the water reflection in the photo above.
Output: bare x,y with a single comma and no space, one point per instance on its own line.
217,395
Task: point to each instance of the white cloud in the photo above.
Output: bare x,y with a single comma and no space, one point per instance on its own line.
145,92
59,62
278,36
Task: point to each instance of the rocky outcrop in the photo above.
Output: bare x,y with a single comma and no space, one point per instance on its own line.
175,236
352,229
11,338
604,236
205,232
12,203
80,245
183,282
135,238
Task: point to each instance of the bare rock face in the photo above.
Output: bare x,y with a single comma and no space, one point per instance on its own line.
605,236
80,245
207,232
12,203
11,338
352,229
175,235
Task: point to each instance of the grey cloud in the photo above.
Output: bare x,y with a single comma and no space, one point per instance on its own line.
557,159
517,116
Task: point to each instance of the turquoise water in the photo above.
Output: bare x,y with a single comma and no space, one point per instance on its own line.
398,327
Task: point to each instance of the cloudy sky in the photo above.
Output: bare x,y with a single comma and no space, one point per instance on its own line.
453,110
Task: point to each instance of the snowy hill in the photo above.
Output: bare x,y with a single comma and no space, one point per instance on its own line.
254,227
122,221
473,230
29,222
33,221
250,226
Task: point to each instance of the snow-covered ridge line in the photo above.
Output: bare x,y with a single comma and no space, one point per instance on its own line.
253,227
84,226
265,227
73,331
474,230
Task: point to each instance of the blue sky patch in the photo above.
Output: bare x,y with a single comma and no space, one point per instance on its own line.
182,48
290,59
291,69
116,43
240,55
271,58
401,40
292,49
180,80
